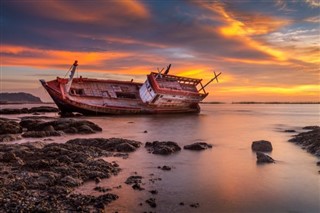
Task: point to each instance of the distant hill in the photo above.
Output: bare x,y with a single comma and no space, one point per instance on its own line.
20,97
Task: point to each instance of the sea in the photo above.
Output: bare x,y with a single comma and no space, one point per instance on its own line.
223,179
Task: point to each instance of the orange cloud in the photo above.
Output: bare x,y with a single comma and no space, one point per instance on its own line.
244,30
25,56
82,11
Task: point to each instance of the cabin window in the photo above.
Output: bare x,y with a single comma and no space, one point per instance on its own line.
116,88
124,89
77,91
126,95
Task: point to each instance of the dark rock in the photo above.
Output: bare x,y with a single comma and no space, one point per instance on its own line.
66,125
43,109
70,181
289,130
30,124
165,168
137,186
151,202
198,146
102,189
263,158
133,179
162,148
111,144
311,127
154,192
145,131
85,129
181,203
9,137
97,180
318,163
309,140
9,127
261,146
40,177
41,134
13,111
194,205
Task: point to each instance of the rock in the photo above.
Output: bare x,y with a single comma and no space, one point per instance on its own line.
41,178
181,203
162,148
30,124
165,168
309,140
133,179
261,146
66,125
85,129
151,202
311,127
41,134
145,131
137,186
289,130
263,158
97,180
9,137
111,144
70,181
154,192
194,205
101,189
9,127
198,146
43,109
13,111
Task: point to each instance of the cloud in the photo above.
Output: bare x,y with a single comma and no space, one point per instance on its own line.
313,3
313,19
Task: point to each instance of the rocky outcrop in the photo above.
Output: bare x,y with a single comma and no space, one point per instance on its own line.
261,146
40,178
198,146
108,144
41,134
162,148
9,127
40,109
151,202
135,182
309,140
9,137
41,128
263,158
43,109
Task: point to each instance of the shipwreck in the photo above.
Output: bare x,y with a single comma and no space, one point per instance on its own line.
160,93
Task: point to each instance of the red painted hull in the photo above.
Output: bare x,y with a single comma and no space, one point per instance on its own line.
67,103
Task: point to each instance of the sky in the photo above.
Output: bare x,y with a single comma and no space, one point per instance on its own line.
267,50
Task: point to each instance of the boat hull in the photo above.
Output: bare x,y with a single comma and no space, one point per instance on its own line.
67,105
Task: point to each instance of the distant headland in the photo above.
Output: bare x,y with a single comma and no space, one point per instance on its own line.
19,98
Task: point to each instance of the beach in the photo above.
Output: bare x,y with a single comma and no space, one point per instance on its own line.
224,178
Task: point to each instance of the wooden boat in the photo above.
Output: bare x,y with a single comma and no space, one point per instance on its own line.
160,93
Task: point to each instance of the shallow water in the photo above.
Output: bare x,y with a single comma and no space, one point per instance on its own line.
225,178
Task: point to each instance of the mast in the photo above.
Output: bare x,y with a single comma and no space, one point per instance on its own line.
215,78
72,72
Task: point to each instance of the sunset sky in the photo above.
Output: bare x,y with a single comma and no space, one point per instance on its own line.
267,50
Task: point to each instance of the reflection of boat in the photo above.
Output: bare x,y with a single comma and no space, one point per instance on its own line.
160,93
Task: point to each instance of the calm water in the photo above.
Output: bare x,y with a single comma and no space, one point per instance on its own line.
225,178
